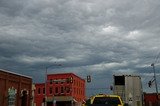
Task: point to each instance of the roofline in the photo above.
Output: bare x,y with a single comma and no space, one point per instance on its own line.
6,71
67,74
128,75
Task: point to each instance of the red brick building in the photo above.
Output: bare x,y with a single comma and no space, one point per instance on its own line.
62,90
151,99
15,89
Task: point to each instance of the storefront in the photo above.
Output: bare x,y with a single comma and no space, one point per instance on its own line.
62,89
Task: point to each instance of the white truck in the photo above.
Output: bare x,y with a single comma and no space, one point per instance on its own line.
129,88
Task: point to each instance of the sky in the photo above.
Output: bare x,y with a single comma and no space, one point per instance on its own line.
88,37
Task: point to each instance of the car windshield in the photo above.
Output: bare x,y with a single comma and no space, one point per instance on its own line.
107,100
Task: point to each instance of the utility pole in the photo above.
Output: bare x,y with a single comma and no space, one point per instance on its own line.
155,78
46,71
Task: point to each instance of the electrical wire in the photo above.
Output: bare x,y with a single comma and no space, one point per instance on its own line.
157,57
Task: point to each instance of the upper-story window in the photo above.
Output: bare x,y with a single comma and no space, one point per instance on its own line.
67,80
67,89
39,90
43,90
50,90
56,90
62,90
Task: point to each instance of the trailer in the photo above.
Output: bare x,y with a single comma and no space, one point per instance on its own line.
129,88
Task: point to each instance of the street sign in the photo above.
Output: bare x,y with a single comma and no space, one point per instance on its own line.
60,80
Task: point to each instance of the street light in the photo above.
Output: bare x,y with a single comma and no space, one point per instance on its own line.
45,103
155,78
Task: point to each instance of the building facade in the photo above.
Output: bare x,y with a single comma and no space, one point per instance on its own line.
63,89
151,99
15,89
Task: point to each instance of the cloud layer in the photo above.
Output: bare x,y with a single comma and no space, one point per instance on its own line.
88,37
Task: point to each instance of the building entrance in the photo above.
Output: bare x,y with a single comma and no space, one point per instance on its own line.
24,98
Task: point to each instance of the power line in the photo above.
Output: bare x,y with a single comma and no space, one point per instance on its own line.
157,57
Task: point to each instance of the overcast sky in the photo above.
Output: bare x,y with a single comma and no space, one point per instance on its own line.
88,37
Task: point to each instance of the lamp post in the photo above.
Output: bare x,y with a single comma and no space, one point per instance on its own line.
155,78
45,103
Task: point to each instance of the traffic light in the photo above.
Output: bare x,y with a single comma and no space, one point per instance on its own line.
71,79
150,84
88,78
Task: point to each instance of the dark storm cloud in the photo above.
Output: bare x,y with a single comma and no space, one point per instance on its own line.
11,8
100,38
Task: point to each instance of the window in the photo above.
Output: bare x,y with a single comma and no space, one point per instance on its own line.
67,80
50,90
62,90
119,80
39,90
67,89
56,90
43,90
107,100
